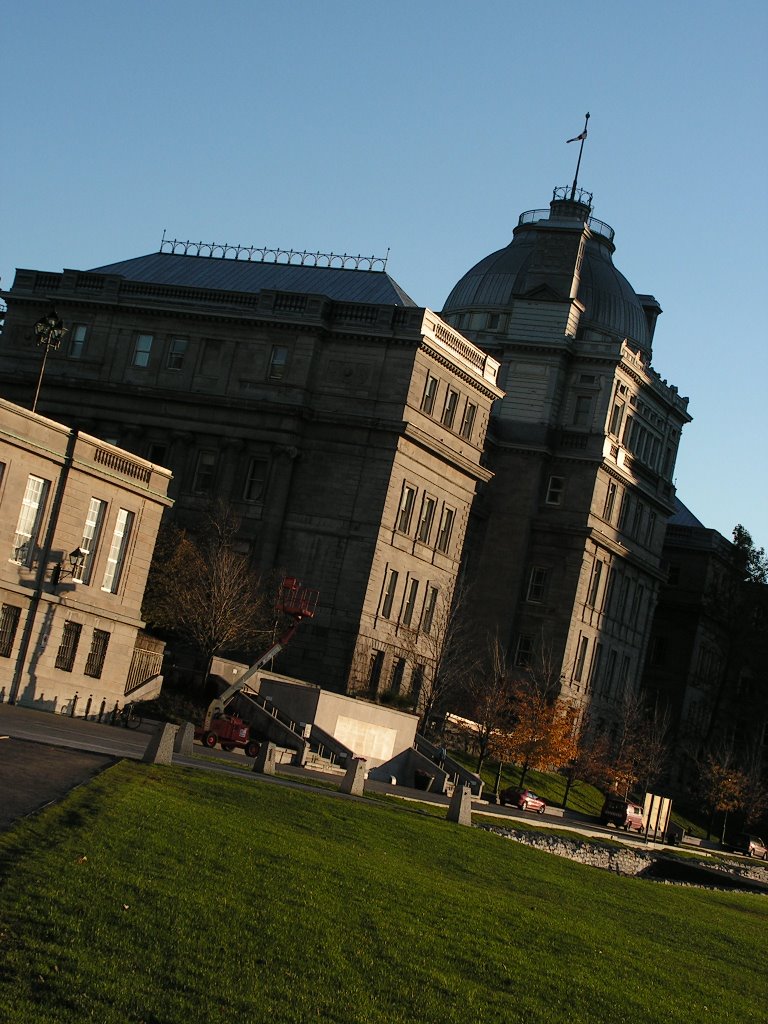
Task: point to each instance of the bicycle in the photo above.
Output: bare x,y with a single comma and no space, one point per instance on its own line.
128,717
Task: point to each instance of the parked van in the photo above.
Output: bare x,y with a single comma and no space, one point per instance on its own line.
622,813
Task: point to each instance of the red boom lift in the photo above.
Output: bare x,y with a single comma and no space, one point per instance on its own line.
295,601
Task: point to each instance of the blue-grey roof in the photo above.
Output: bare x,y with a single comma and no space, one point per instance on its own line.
682,516
375,286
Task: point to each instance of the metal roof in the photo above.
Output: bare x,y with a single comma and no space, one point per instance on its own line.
682,516
343,285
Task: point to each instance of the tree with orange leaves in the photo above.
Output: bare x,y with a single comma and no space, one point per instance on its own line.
542,735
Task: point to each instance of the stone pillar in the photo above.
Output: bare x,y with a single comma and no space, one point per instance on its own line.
265,759
355,778
160,747
460,807
184,739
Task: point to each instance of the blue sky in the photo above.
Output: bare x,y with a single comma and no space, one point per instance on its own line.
424,127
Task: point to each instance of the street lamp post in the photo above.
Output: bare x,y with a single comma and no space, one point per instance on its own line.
49,330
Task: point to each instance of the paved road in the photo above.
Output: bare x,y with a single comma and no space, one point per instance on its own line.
48,754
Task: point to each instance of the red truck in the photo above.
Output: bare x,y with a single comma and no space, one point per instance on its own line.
295,601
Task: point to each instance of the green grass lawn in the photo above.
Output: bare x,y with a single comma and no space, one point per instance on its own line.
165,895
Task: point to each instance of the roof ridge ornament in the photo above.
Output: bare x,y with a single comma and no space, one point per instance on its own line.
265,254
582,139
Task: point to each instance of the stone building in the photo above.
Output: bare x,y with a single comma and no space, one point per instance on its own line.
342,423
566,538
78,521
707,655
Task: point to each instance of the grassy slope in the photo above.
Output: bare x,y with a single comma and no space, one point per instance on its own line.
253,902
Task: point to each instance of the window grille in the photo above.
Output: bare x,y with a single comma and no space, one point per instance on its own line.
94,663
70,638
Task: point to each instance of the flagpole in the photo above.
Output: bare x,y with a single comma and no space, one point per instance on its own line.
578,162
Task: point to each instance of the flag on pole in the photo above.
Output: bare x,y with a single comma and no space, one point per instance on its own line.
578,138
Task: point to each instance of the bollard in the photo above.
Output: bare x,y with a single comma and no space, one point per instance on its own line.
88,706
355,778
73,706
265,760
460,807
184,739
101,710
160,747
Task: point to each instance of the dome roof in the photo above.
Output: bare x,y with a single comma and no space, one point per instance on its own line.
611,304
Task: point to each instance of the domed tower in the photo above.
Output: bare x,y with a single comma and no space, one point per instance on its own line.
567,537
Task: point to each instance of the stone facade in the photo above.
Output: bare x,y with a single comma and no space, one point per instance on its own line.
566,539
346,433
708,649
71,635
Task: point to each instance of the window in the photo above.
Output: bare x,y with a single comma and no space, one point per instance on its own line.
430,393
626,664
9,622
77,341
90,542
650,528
407,498
428,617
449,409
610,585
446,529
581,657
254,481
594,672
555,490
70,638
205,473
594,584
210,360
176,353
610,674
410,602
617,414
524,650
117,550
30,516
425,519
626,585
2,472
582,413
389,594
374,670
468,420
637,522
278,363
94,663
626,501
537,583
610,501
397,675
141,349
157,453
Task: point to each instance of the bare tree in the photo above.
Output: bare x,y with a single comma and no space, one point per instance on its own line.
489,693
203,589
446,653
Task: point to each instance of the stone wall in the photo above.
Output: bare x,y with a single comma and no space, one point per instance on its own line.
622,861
